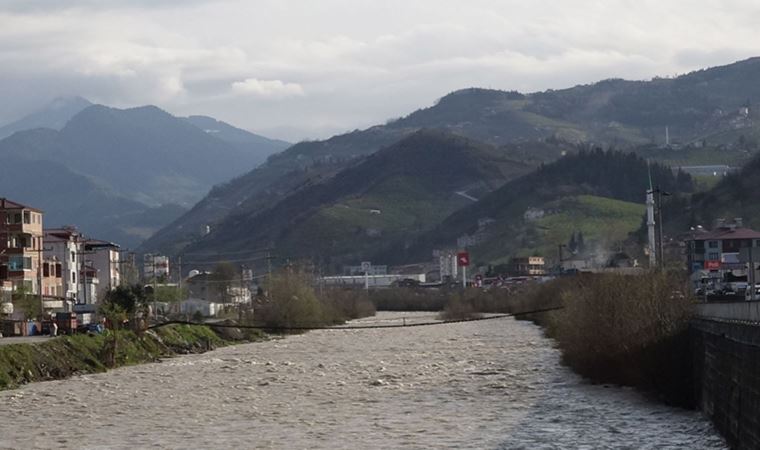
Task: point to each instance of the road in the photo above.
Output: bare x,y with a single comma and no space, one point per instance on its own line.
23,340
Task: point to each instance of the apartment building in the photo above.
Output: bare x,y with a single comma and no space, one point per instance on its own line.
21,247
66,245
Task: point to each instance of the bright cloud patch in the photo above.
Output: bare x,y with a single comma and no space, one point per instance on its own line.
267,88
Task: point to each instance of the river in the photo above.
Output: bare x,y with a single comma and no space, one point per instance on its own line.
487,384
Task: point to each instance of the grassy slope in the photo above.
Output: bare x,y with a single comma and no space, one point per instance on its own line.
70,355
603,222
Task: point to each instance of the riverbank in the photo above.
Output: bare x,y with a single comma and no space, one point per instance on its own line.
65,356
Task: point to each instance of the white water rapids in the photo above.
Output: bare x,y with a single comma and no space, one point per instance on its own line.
487,384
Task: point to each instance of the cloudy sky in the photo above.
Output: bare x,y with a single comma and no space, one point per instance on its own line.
298,69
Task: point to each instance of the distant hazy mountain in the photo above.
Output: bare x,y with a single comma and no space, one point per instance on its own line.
54,116
244,140
135,160
143,153
68,198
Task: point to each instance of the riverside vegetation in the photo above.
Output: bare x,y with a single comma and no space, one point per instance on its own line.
291,301
622,329
65,356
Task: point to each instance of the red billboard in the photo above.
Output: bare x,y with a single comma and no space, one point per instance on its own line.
712,265
463,259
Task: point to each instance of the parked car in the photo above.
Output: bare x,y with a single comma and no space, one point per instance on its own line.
748,294
94,328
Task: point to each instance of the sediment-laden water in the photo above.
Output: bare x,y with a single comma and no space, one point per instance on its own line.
487,384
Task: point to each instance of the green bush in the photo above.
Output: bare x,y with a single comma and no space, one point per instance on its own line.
292,302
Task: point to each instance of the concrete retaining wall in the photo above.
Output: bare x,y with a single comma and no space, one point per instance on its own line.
727,378
742,311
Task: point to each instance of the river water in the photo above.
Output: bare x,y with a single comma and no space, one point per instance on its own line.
487,384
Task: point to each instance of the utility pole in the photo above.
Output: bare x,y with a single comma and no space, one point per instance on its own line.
752,281
39,251
155,282
83,254
179,265
660,240
559,251
659,226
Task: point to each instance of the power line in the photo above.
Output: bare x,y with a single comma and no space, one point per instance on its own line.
216,261
352,327
237,252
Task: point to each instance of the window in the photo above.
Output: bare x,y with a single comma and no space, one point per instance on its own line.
74,277
46,270
714,256
17,218
19,263
713,244
27,217
73,257
58,270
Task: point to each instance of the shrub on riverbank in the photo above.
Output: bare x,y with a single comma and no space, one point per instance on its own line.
629,330
292,302
64,356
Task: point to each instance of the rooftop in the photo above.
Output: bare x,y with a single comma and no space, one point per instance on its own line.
728,233
9,204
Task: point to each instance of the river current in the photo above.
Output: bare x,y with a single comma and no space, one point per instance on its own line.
486,384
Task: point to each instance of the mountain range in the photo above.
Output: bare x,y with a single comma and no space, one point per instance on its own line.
705,113
122,164
400,188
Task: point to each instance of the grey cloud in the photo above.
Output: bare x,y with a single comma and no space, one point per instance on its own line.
307,68
50,6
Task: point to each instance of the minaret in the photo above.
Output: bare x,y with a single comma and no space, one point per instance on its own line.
667,136
650,223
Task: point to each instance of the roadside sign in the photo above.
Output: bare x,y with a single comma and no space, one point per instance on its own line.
463,259
366,265
712,265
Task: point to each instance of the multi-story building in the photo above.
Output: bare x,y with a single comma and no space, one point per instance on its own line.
20,245
66,245
88,291
722,255
528,266
52,277
104,257
155,266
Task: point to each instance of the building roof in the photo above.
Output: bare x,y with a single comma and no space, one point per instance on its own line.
728,233
98,243
9,204
63,233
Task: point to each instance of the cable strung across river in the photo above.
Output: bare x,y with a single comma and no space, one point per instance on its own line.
351,327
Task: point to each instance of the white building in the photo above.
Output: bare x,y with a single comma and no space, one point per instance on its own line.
66,245
203,286
372,281
104,258
206,308
88,290
155,266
